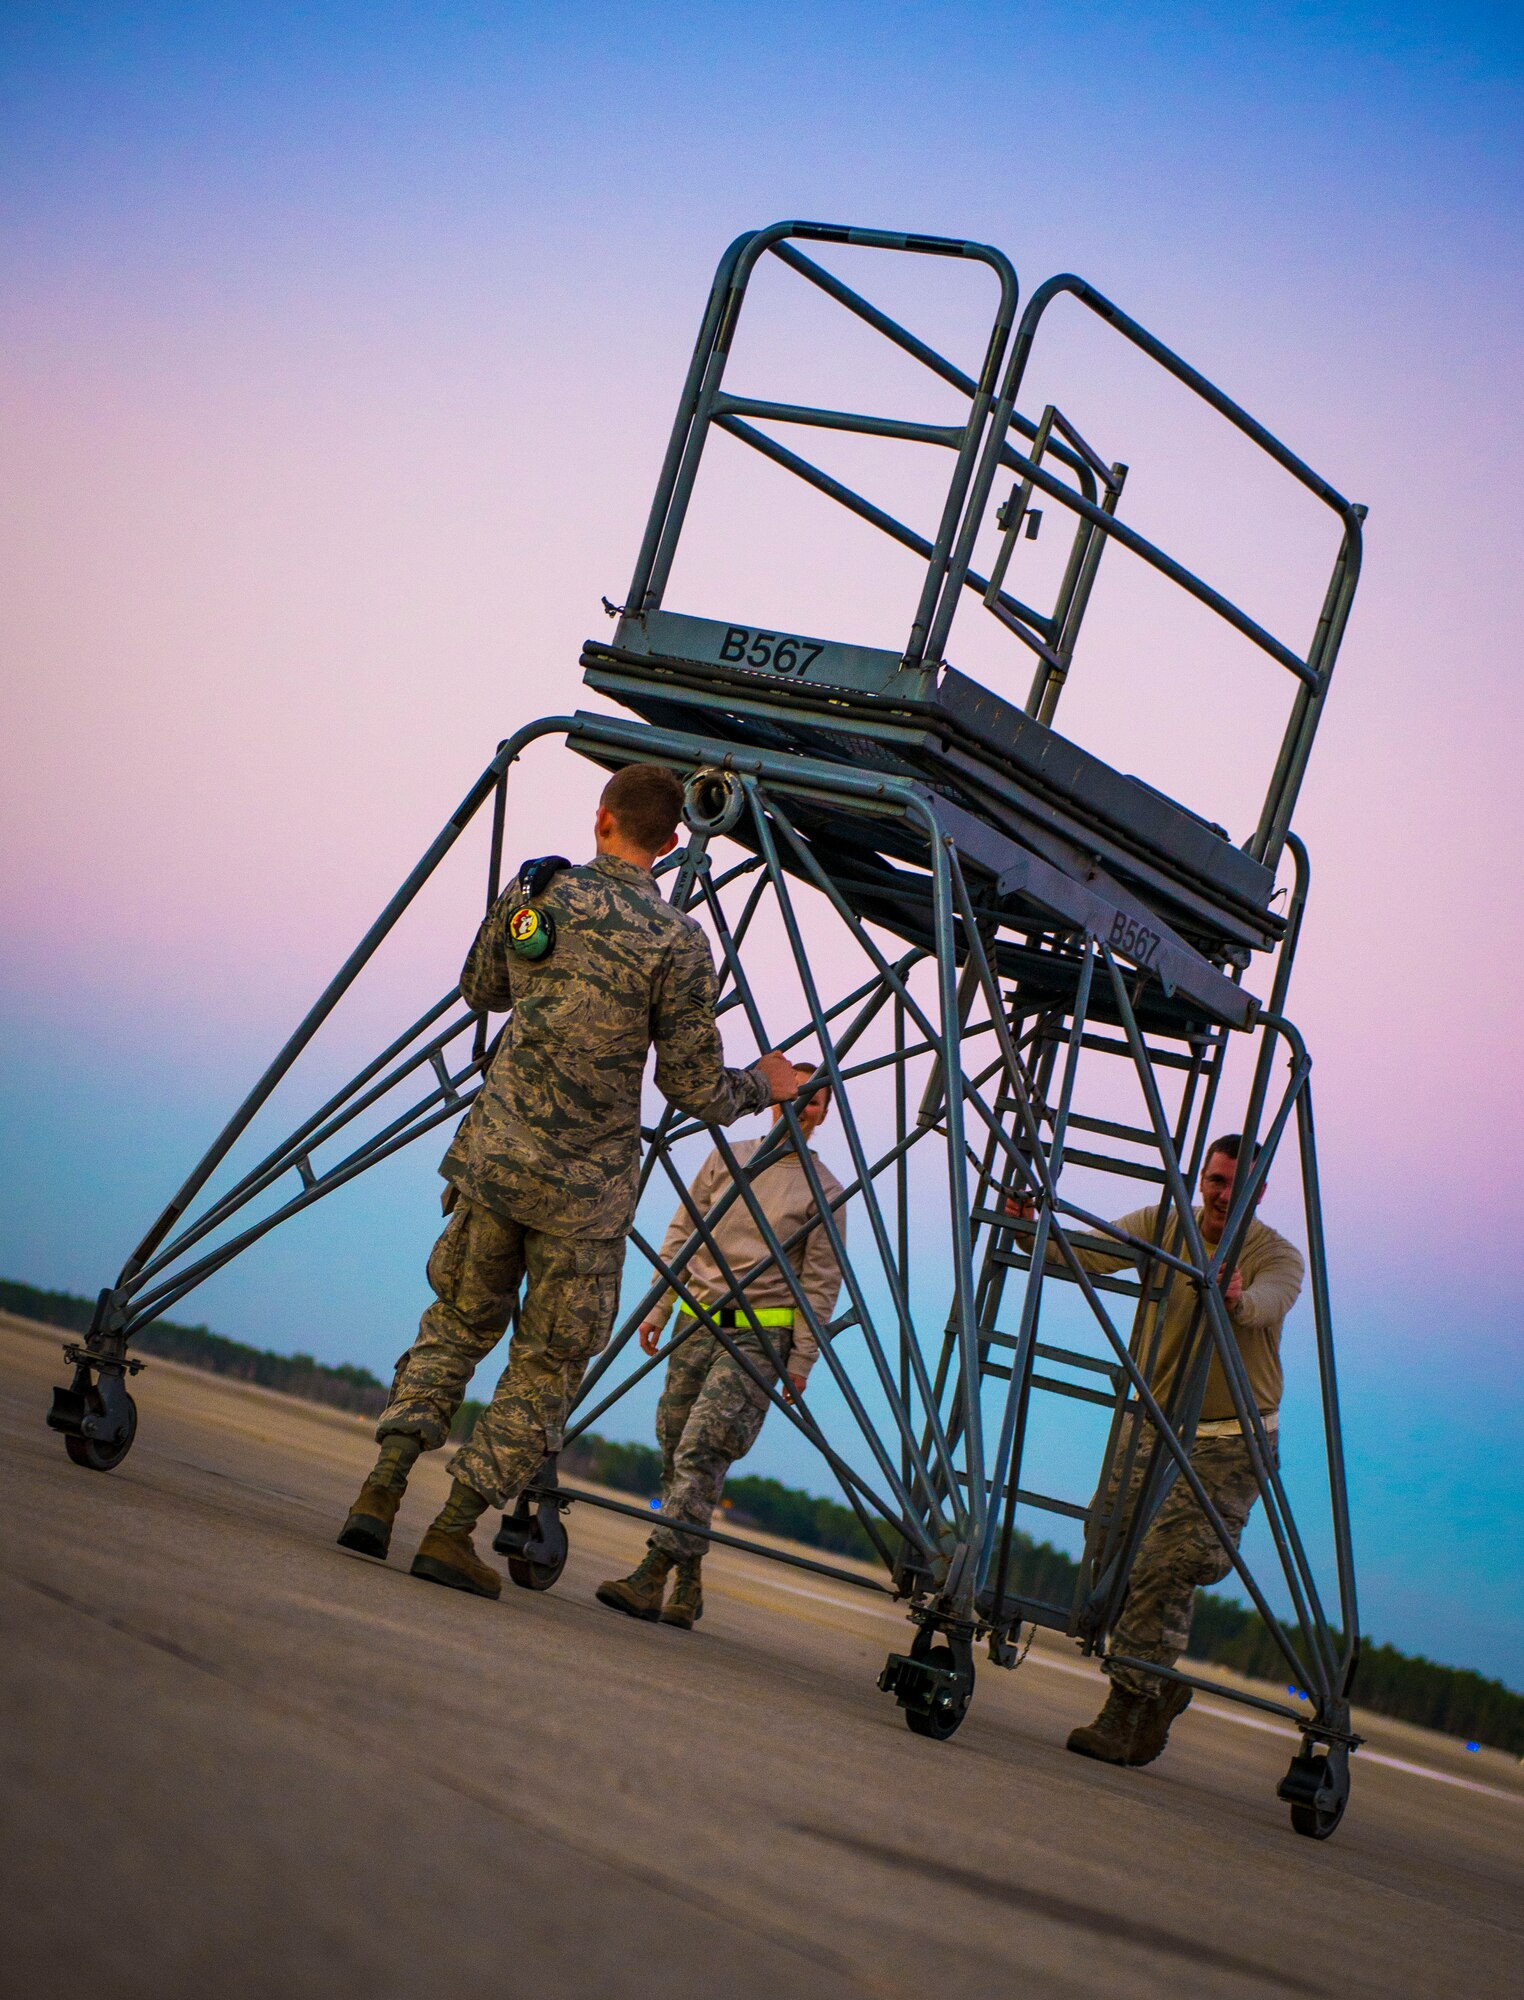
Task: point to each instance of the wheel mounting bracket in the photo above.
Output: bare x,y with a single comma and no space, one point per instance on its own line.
920,1687
97,1409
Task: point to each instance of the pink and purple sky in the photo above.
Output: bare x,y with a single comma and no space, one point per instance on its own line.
340,345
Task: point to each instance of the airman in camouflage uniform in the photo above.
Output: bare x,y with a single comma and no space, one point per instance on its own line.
1181,1551
715,1401
543,1172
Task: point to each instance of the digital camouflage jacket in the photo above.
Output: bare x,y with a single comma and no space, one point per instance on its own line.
554,1138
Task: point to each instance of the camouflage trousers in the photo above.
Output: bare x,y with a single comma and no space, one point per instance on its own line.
570,1300
709,1416
1179,1553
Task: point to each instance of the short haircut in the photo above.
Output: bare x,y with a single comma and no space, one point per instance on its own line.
647,802
1229,1143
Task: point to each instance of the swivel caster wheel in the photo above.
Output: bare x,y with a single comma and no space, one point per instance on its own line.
99,1455
947,1707
1317,1790
535,1544
97,1417
530,1574
933,1684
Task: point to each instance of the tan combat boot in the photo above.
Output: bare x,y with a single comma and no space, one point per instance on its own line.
1152,1732
368,1531
685,1607
1109,1739
640,1593
447,1556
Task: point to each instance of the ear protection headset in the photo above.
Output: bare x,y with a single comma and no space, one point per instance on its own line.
532,932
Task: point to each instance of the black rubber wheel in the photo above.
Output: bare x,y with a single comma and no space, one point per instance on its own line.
1317,1790
536,1575
1316,1823
536,1572
947,1717
99,1456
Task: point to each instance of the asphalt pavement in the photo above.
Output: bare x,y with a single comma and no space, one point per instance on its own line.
239,1762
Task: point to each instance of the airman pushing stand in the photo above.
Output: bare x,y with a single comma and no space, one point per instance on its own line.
1180,1550
597,968
715,1401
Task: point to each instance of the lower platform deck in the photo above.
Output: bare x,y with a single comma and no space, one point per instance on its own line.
984,754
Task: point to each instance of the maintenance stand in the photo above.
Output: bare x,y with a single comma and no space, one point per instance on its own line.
1020,971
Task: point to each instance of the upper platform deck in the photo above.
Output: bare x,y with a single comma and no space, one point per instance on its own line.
908,713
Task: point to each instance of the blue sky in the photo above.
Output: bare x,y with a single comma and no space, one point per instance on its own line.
340,347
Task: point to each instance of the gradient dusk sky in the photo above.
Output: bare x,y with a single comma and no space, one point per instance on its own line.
339,349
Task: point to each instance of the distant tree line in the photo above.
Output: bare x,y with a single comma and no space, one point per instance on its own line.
1454,1700
753,1502
344,1387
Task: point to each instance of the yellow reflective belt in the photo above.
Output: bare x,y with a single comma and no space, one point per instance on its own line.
761,1315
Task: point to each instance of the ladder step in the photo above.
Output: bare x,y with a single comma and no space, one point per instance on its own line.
1080,1240
1048,1505
1044,1501
1107,1368
1104,1128
1159,1058
995,1372
1017,1260
1105,1164
995,1217
994,1338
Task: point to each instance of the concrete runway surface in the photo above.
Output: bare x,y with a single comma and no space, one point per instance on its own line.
240,1762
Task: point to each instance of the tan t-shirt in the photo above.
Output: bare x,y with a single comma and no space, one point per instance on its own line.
1271,1269
783,1195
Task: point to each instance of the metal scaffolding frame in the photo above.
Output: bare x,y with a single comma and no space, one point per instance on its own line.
1029,935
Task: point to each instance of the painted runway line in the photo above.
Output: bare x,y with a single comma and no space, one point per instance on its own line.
1233,1715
